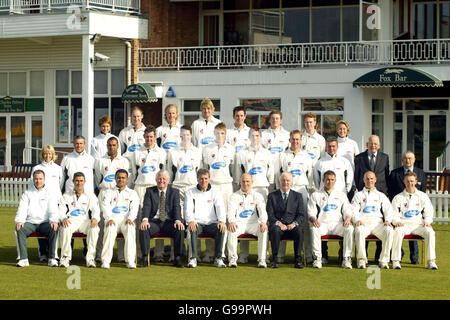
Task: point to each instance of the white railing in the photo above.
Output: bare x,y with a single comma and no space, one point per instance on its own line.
297,54
441,160
440,201
41,6
11,190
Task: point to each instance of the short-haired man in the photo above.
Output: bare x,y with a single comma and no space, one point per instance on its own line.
330,213
119,209
203,127
312,142
79,212
413,215
168,134
204,211
38,211
373,215
161,213
247,214
132,137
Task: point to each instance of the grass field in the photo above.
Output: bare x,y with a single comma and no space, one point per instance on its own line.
163,282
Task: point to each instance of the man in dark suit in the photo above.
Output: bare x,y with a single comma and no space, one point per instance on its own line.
286,217
378,162
161,213
396,186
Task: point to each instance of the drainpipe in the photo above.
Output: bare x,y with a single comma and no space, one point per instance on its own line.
128,68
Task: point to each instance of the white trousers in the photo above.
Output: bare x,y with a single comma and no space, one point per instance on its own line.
253,229
65,236
418,229
332,229
109,238
382,232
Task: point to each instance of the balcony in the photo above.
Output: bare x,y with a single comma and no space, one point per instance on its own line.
297,55
48,6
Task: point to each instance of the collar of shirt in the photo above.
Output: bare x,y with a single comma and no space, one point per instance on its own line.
340,140
405,170
287,193
370,154
159,191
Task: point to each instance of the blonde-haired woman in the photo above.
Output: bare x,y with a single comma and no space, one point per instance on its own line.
53,183
348,148
168,134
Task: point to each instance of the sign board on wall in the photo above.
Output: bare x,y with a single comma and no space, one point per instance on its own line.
8,104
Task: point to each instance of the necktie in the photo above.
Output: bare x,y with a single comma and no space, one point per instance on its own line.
372,162
285,197
162,207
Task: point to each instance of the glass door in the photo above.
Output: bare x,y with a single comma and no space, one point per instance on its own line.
17,139
3,143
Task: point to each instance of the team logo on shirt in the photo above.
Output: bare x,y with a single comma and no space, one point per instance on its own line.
148,169
77,212
274,150
135,147
109,178
186,169
246,214
370,209
218,165
207,140
312,155
411,213
119,209
255,170
238,148
169,145
296,172
106,168
330,207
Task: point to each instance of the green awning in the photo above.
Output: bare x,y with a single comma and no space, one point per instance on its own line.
139,93
397,77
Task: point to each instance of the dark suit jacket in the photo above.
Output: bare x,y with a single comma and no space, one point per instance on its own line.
396,184
286,214
151,203
381,170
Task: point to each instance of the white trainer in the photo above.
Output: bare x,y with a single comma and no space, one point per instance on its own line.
432,265
90,263
64,262
317,264
219,263
131,265
361,264
347,263
52,263
192,263
383,265
105,265
262,264
22,263
396,265
232,264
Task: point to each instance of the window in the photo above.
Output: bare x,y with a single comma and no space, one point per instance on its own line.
17,83
258,111
327,110
22,84
37,83
377,119
190,110
108,87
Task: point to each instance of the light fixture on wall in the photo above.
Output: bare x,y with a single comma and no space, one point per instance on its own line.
96,38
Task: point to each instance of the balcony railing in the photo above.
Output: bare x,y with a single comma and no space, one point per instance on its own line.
46,6
433,51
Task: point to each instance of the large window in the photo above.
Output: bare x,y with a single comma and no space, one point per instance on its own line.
258,111
431,19
22,84
108,87
328,112
290,21
378,119
190,110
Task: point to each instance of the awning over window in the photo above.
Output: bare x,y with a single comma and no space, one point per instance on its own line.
397,77
139,93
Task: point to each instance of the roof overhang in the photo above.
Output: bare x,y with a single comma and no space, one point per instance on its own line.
139,93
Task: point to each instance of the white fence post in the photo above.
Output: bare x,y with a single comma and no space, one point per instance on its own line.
11,190
440,202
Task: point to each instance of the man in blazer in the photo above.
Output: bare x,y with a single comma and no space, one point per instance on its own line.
286,216
161,213
378,162
396,186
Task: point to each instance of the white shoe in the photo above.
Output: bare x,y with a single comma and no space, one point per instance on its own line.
317,264
220,264
64,262
383,265
52,263
242,259
206,259
22,263
90,263
105,265
396,265
232,264
262,264
192,263
131,265
361,264
432,265
347,263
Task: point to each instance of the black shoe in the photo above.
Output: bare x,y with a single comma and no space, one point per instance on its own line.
298,265
274,264
414,261
144,263
177,263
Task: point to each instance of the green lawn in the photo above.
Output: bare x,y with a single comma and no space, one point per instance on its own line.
162,281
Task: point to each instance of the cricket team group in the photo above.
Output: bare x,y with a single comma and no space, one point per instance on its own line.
230,184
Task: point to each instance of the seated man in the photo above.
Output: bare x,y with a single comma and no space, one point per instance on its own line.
37,212
413,215
161,213
373,215
247,214
119,208
204,211
286,217
330,213
79,212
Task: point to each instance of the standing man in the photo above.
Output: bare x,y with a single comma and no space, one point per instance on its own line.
330,213
204,211
247,214
203,127
312,142
378,162
79,212
413,215
38,211
373,215
161,213
286,217
119,208
168,135
132,137
396,186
